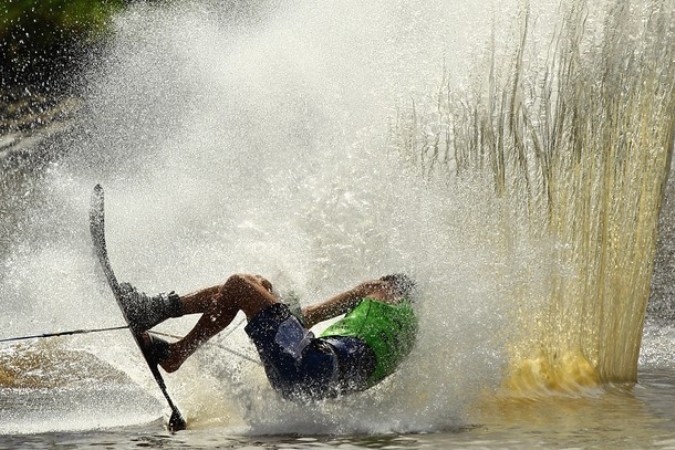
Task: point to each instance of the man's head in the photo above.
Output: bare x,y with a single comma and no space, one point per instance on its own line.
401,285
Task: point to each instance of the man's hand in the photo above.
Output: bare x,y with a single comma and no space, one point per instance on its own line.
376,289
388,289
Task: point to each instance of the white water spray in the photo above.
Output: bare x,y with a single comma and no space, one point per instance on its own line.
256,140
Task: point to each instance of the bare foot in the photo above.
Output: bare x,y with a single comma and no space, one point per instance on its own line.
161,352
173,360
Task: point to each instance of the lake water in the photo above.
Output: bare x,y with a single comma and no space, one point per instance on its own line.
96,407
641,417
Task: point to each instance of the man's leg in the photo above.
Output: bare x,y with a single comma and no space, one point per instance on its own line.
218,306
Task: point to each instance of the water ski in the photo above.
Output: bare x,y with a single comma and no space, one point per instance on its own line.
97,228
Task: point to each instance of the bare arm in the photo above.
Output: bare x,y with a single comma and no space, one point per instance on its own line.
344,302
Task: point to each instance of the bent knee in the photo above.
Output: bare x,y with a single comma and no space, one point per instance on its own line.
237,283
236,279
247,293
247,279
247,282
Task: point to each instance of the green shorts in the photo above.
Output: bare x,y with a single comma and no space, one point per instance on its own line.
389,330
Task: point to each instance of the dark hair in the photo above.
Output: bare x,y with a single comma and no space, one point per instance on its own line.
401,283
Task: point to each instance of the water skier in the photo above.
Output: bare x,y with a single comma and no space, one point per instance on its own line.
355,353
